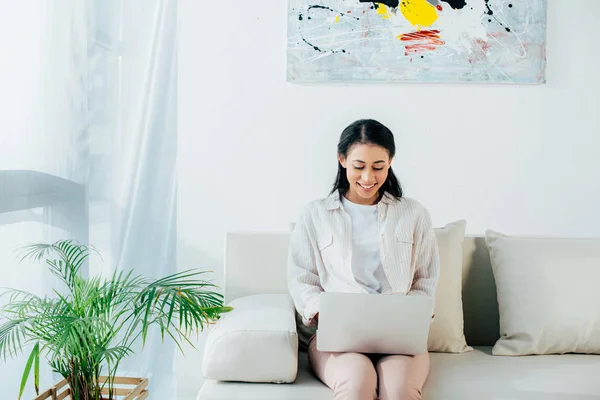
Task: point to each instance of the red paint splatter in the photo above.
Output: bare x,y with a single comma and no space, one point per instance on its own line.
439,7
482,44
480,48
426,41
420,35
419,48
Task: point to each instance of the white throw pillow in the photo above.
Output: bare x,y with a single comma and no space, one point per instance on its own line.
256,342
447,330
548,294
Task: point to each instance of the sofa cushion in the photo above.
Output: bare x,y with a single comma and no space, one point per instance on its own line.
306,386
548,294
474,375
447,330
256,342
480,375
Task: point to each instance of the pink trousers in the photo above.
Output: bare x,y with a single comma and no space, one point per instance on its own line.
361,377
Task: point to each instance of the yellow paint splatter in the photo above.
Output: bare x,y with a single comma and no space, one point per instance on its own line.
382,10
337,19
419,12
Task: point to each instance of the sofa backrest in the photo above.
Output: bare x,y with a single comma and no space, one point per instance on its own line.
256,263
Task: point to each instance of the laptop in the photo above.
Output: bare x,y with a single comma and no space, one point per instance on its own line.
374,323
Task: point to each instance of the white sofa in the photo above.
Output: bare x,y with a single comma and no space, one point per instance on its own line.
255,264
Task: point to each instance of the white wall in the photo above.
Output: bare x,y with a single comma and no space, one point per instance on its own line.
20,56
253,148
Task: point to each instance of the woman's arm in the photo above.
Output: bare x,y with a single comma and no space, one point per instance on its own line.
304,284
427,263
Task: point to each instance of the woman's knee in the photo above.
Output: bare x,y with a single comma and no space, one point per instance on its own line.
406,392
356,378
402,377
411,393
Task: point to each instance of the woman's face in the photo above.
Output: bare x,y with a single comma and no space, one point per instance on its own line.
367,168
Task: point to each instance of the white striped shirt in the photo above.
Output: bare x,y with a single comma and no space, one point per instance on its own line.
320,251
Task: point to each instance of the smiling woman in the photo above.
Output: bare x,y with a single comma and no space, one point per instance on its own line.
348,242
365,176
365,154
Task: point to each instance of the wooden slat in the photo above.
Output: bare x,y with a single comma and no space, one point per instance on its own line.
121,380
117,391
60,384
45,394
64,394
137,390
51,393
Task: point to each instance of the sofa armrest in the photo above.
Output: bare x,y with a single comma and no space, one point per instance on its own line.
256,342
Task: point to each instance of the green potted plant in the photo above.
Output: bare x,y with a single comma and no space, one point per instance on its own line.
86,329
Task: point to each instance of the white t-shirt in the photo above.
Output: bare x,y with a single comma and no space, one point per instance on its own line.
366,260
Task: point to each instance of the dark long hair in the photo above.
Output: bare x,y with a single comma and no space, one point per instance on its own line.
366,131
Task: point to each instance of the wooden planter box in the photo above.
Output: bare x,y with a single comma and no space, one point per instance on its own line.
124,389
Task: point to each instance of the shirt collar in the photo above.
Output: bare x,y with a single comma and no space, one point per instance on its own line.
334,202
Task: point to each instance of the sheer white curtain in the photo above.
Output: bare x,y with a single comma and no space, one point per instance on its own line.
88,138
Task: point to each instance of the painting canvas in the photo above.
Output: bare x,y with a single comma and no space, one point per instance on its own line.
496,41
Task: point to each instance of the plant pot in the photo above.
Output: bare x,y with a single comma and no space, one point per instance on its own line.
125,388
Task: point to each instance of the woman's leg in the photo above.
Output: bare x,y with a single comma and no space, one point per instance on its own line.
402,377
349,375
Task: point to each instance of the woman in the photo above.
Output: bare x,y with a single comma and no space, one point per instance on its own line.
364,238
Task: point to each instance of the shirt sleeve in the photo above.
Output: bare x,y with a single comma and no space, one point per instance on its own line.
304,284
427,262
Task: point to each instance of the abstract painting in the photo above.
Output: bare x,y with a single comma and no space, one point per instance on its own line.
495,41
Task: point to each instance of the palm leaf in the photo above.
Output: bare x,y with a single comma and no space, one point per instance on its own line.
94,325
36,370
33,359
13,337
72,257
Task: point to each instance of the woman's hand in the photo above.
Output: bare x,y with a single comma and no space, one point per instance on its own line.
314,321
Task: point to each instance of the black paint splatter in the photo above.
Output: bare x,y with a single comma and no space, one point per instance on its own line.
312,45
389,3
491,12
456,4
332,10
487,5
317,48
319,6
